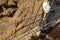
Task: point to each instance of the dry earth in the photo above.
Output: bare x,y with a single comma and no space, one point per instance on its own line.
12,13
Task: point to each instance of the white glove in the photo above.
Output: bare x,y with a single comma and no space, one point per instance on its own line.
46,7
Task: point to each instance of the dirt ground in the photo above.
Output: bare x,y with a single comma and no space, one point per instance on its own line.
14,15
18,14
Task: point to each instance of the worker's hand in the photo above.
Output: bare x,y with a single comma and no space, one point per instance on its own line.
46,7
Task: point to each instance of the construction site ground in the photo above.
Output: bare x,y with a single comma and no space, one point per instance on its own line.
16,15
25,15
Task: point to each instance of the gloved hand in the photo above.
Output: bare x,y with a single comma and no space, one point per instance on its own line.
46,7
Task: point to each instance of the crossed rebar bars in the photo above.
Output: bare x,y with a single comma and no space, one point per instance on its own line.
20,20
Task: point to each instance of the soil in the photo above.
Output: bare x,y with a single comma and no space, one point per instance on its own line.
18,14
12,13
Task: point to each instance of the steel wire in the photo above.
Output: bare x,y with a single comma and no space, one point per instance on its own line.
33,16
20,20
36,30
28,18
32,13
39,26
